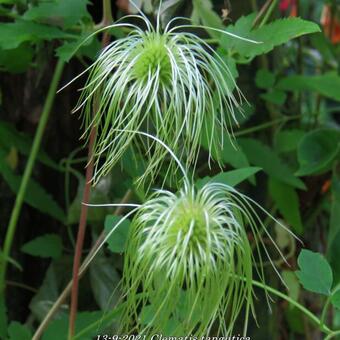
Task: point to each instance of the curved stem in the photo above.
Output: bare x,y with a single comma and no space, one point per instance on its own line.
327,303
265,125
332,335
296,304
27,173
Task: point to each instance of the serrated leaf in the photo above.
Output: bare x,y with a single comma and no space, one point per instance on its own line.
287,201
49,245
328,84
17,331
288,140
270,35
231,178
117,241
36,196
12,35
317,150
315,273
262,156
60,12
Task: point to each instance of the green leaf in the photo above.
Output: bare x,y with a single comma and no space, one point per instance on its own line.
117,240
229,154
276,97
287,201
10,137
328,84
35,195
317,150
59,12
315,273
231,178
335,299
288,140
17,331
12,35
270,35
58,328
264,79
49,245
104,281
82,46
203,13
56,278
262,156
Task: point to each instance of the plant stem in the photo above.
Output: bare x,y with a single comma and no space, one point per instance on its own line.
265,125
107,19
269,12
27,173
327,303
332,335
62,297
296,304
81,235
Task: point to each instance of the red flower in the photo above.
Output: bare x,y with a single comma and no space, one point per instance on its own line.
326,21
284,4
289,5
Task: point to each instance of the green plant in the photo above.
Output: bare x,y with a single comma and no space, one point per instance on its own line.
282,150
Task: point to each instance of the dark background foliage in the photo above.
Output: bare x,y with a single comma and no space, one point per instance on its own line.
290,130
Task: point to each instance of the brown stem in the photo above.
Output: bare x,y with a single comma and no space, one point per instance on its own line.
81,235
63,296
107,19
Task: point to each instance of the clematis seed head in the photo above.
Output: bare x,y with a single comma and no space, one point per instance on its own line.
189,261
169,83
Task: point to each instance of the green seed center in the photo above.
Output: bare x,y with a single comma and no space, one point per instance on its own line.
190,219
153,56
